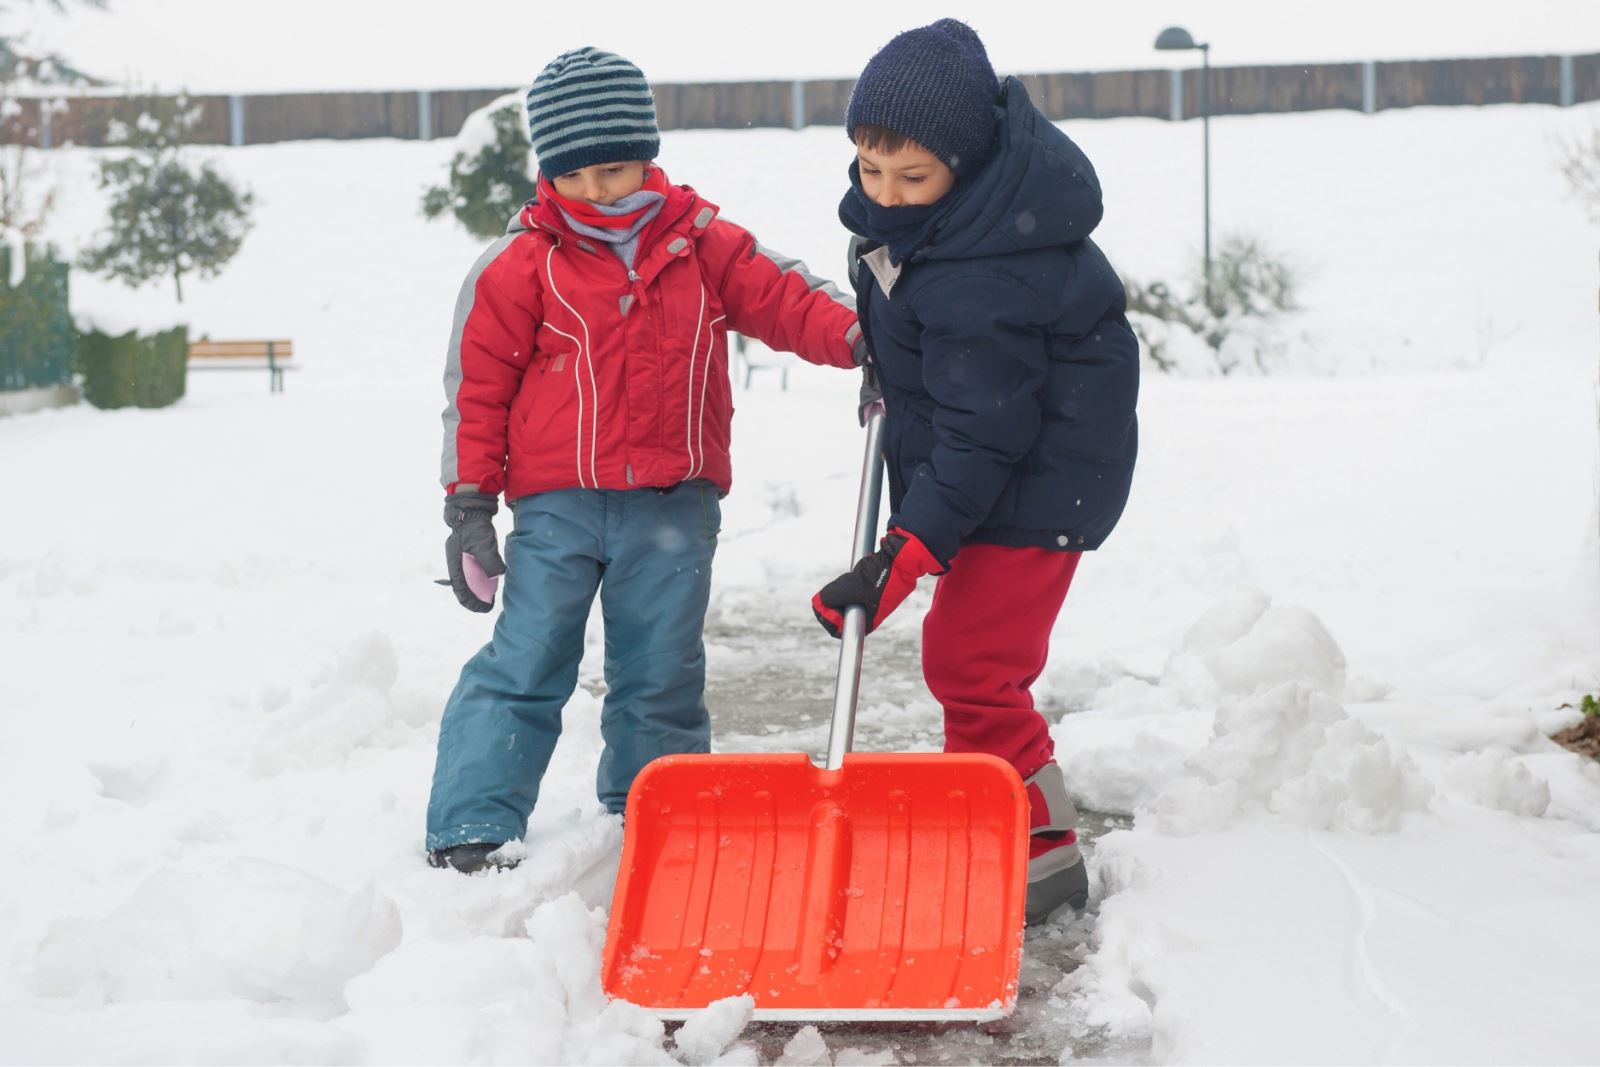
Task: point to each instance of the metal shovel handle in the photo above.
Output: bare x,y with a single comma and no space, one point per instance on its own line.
847,689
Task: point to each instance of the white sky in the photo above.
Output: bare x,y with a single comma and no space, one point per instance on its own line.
253,46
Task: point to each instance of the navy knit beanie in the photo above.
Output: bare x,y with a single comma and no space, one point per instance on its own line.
589,107
933,84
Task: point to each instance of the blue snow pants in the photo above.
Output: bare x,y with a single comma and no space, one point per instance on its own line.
648,554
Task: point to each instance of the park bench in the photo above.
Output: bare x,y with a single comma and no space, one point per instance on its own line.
206,354
750,357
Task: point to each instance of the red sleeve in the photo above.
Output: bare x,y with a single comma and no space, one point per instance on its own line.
776,300
491,344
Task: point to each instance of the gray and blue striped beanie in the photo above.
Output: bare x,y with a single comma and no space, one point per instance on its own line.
933,84
590,107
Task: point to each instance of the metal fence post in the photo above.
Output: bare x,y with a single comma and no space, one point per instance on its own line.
1177,95
236,120
1369,87
424,115
797,105
1567,91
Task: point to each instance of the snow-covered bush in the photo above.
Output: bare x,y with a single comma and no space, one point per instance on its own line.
1183,331
36,336
491,175
134,370
1578,157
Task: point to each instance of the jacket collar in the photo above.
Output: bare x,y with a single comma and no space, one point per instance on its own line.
684,216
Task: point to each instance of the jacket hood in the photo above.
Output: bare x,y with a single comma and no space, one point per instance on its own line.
1037,191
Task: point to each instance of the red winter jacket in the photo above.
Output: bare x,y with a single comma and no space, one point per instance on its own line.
568,370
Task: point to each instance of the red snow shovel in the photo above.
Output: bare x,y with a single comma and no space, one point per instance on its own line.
879,886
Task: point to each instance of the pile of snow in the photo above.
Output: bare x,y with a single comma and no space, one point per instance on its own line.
1268,677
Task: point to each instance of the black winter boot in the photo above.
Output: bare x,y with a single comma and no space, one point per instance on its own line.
470,859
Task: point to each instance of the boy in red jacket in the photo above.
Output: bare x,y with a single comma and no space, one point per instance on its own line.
588,384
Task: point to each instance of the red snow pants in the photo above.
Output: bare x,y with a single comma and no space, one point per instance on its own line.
984,642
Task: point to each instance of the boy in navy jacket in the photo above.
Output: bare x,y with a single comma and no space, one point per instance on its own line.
1009,377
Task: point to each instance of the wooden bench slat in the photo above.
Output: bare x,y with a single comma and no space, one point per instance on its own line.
264,354
240,350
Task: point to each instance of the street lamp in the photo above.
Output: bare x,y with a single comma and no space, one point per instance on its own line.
1178,39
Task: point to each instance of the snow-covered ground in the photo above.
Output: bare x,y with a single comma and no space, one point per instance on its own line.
1317,661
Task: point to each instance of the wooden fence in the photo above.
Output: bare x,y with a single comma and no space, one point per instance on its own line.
1154,93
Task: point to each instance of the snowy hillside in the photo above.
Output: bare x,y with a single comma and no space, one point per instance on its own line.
1316,664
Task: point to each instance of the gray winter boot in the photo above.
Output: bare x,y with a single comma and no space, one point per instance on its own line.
471,858
1056,871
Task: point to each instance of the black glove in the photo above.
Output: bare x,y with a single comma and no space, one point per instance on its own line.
870,393
878,583
470,517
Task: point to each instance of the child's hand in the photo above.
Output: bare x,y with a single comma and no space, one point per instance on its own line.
870,392
878,583
471,552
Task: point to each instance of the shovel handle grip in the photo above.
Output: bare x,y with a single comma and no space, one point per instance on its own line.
853,636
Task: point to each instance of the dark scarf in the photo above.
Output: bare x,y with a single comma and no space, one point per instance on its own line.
903,229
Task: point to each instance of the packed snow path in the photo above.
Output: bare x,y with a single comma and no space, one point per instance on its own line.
773,691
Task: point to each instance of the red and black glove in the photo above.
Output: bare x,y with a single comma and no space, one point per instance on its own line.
878,583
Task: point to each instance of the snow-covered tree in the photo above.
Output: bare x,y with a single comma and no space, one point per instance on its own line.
16,59
490,174
26,197
168,216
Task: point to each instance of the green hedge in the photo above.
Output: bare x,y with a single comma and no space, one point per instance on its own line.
134,371
35,324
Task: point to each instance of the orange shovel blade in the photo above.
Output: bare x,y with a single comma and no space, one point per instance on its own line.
889,889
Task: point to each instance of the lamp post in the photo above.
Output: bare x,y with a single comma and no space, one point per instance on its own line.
1178,39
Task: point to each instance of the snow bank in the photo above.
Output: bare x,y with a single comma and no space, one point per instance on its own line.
1275,833
1294,752
478,999
255,931
1246,643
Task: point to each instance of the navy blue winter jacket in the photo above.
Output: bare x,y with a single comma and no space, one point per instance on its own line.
1008,368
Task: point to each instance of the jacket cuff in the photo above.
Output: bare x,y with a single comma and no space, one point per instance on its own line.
858,344
929,558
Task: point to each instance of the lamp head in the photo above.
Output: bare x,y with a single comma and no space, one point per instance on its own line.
1174,39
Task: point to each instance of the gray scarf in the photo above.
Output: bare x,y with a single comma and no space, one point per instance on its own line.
623,242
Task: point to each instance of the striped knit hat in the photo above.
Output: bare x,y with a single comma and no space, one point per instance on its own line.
590,107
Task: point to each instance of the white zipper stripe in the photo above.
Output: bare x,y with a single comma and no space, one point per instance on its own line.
579,348
694,349
584,358
705,378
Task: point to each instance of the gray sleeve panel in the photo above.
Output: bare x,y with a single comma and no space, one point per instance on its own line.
450,466
786,264
853,258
